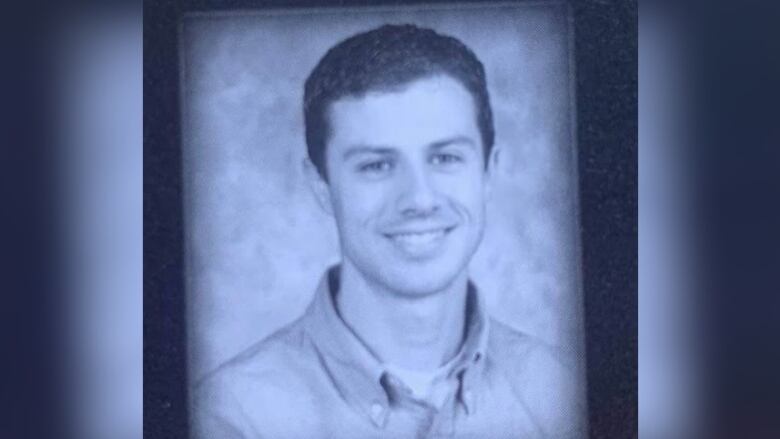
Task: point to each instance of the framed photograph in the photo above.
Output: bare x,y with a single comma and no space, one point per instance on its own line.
390,219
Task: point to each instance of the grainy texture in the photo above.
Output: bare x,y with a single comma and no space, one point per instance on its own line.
256,243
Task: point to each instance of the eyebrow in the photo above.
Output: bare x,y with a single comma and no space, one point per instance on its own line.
384,150
366,149
453,140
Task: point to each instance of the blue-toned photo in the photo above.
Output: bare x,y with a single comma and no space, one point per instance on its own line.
381,226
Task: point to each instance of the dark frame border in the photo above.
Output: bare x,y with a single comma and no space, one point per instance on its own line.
605,58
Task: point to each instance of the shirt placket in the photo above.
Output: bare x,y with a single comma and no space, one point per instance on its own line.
354,372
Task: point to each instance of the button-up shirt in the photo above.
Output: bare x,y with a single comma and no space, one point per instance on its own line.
315,379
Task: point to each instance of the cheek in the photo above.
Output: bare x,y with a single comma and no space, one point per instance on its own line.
359,204
469,194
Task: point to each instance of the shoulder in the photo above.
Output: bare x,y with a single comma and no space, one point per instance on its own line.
268,356
528,351
248,390
544,377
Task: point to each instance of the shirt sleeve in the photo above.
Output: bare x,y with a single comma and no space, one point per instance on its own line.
555,395
216,413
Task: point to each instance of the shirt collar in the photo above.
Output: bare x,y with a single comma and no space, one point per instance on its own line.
360,377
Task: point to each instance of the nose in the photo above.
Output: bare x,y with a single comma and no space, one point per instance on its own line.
418,195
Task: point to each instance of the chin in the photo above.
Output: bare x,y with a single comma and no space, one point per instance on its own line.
420,280
414,277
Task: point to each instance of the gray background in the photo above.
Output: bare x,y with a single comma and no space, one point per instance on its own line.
257,243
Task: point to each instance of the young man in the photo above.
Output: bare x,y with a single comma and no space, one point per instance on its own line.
397,342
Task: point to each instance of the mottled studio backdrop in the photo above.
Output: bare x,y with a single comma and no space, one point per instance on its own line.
256,241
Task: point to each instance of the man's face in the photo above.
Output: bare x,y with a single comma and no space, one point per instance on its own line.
407,184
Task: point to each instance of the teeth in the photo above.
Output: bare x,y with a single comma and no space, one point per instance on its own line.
418,238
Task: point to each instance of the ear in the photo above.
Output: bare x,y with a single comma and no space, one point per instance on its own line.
492,169
319,187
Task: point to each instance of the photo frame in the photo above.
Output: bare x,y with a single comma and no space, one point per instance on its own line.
604,85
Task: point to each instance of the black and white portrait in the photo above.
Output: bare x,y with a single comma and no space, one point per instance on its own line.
381,223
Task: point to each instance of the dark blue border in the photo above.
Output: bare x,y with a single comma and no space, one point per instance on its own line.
605,51
165,366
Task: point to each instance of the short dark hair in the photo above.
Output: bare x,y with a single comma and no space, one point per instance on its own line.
384,59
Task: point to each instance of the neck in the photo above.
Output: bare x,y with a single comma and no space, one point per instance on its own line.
418,333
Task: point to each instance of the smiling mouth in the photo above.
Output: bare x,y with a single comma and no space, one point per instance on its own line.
415,242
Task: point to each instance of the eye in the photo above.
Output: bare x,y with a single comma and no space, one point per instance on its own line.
375,167
446,159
